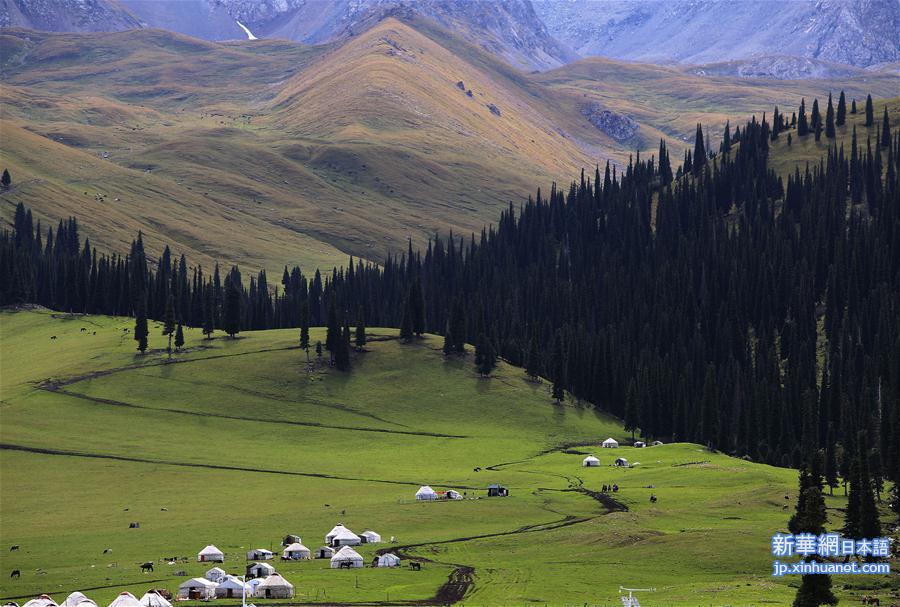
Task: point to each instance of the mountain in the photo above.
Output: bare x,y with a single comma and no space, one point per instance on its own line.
685,31
67,15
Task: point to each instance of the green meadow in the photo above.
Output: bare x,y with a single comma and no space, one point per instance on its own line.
237,443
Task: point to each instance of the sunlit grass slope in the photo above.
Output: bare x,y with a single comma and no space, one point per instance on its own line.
233,442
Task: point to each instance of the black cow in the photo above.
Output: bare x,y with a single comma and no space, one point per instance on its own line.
14,547
415,566
148,566
15,574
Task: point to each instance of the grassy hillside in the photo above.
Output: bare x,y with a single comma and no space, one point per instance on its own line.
270,152
234,443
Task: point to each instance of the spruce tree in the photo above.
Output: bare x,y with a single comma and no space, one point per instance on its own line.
853,107
816,119
406,324
417,308
560,366
533,359
319,350
458,325
232,303
304,328
631,409
208,314
802,127
141,331
169,320
841,116
869,524
5,180
810,517
179,337
485,356
360,331
870,111
829,119
448,340
342,349
885,130
332,329
699,151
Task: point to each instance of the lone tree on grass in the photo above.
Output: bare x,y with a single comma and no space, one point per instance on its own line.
5,180
141,331
810,517
841,116
179,337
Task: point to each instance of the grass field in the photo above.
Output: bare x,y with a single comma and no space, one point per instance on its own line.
234,443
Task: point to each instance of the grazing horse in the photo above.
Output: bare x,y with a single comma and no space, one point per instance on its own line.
53,337
14,547
148,566
15,574
415,566
345,565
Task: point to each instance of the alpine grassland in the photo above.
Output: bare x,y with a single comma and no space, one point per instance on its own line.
238,442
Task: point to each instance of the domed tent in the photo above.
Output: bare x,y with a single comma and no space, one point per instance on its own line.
77,598
656,443
260,570
275,587
370,537
426,493
211,554
346,538
345,558
216,574
261,554
325,552
232,587
296,552
339,528
453,495
610,443
197,589
43,600
621,462
125,599
590,461
388,560
152,598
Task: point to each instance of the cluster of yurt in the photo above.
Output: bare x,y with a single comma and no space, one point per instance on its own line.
427,494
152,598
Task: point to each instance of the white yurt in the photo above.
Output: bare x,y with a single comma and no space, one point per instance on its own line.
211,554
275,587
345,538
347,555
232,587
77,598
388,560
43,600
260,570
325,552
216,574
621,462
426,493
453,495
197,589
152,598
125,599
590,461
253,585
370,537
296,552
640,444
610,443
260,554
334,531
656,443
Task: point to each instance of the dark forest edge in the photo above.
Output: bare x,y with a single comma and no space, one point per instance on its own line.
713,304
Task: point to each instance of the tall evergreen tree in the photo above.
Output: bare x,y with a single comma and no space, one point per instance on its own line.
232,303
885,130
853,107
208,313
332,329
179,337
870,111
360,330
485,356
560,365
810,517
841,117
169,320
304,328
802,126
829,119
533,359
5,180
141,330
699,151
342,349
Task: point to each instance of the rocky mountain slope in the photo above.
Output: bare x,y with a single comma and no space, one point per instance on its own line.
67,15
859,33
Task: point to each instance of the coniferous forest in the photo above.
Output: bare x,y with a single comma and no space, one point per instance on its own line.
715,303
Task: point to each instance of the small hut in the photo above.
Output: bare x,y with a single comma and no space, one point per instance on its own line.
233,587
426,493
196,589
216,574
497,491
296,552
275,587
325,552
152,598
125,599
610,443
370,537
345,558
621,462
590,461
256,570
387,560
261,554
211,554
